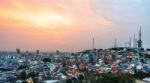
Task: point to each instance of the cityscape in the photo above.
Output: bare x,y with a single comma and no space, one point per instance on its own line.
61,67
74,41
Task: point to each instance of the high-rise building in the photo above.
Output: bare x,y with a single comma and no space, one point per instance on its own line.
18,51
37,52
140,39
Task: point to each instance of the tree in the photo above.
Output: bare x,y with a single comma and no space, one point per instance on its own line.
92,77
23,75
46,60
69,81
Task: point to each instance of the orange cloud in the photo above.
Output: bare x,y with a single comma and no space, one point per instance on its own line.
49,24
105,22
33,16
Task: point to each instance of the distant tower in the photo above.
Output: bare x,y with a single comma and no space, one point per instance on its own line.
130,42
93,43
140,39
115,43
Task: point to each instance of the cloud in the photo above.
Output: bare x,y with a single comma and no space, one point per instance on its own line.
33,16
62,6
105,22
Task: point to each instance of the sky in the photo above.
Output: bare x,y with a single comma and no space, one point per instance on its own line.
70,25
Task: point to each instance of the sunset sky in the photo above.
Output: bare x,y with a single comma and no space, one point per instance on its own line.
70,25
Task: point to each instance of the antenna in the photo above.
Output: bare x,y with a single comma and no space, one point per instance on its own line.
130,43
140,34
93,43
140,38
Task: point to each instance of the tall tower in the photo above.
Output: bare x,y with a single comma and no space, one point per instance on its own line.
140,39
93,43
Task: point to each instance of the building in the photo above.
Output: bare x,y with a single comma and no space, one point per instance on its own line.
18,51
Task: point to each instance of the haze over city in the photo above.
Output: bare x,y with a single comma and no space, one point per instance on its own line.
70,25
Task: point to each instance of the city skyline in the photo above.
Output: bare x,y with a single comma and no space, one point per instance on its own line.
70,25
